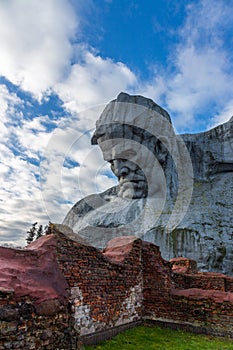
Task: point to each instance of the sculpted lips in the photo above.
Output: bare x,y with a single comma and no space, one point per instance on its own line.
138,179
139,182
133,187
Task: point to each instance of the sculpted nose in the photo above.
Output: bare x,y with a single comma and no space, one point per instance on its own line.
120,168
124,171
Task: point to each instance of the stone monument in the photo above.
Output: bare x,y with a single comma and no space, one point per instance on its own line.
173,190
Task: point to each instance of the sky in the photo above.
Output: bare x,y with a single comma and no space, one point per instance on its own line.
61,61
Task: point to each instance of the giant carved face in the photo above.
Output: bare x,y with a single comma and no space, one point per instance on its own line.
130,132
136,161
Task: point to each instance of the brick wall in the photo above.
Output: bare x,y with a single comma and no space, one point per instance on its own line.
25,326
105,291
90,295
34,304
156,281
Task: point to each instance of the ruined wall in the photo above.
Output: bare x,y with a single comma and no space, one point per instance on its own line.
199,302
34,307
25,326
106,289
156,281
80,293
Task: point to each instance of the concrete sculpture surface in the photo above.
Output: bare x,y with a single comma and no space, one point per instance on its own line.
174,190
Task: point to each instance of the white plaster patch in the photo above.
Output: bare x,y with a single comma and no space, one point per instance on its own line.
130,311
131,306
84,324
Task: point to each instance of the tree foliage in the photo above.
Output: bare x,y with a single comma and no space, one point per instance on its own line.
35,232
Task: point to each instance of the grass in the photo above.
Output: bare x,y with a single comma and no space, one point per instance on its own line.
154,338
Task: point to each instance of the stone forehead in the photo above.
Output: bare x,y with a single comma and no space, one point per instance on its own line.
142,101
133,110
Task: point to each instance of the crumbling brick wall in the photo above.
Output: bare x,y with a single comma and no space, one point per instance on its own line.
25,326
34,304
197,301
156,281
61,291
106,288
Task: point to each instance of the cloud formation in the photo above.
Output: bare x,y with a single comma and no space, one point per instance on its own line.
93,81
198,77
43,54
35,42
20,194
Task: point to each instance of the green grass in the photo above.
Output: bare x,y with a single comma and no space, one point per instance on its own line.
151,338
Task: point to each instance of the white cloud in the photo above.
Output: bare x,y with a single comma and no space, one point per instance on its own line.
206,22
20,197
94,81
20,194
33,135
36,51
202,72
8,103
223,116
200,80
35,48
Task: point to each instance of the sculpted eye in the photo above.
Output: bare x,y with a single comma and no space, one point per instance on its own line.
159,145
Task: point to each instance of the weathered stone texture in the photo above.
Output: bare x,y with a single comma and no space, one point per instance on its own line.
23,327
33,271
201,163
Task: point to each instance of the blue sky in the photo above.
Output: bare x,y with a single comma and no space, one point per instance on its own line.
62,60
